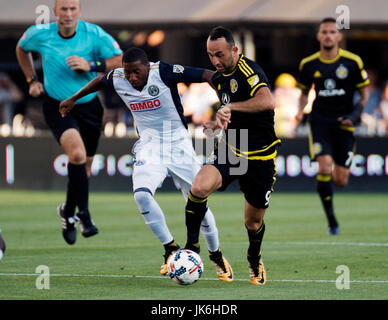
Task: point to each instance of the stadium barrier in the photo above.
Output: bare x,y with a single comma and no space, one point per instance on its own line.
39,163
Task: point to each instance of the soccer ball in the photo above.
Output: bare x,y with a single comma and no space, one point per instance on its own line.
185,267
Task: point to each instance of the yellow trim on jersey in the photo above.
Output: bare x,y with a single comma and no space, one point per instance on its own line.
324,177
242,70
256,151
351,129
268,157
311,143
308,59
259,85
229,74
329,61
352,56
247,67
363,84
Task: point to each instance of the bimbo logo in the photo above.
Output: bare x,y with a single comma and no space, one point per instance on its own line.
145,106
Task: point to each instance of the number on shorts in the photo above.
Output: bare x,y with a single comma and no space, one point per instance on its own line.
267,197
349,160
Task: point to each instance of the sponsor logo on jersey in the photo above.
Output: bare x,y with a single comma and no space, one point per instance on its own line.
145,106
254,80
330,90
225,99
329,84
153,90
341,72
317,74
233,85
317,148
177,68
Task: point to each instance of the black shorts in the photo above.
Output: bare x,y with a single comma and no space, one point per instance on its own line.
85,117
256,183
331,139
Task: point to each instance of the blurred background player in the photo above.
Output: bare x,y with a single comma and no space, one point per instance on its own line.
73,51
336,75
2,245
247,103
151,94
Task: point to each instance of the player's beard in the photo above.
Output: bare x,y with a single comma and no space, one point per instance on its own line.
328,48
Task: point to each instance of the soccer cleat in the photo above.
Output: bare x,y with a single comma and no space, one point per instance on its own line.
169,251
257,274
69,231
333,231
88,227
223,268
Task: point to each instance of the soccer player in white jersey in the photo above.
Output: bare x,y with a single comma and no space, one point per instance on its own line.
150,92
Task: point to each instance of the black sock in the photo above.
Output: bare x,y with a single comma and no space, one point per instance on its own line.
170,245
80,184
325,190
195,211
70,201
255,239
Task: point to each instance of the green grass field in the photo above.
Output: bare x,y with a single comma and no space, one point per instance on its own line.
123,261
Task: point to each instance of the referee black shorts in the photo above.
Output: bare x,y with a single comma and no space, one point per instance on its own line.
256,183
85,117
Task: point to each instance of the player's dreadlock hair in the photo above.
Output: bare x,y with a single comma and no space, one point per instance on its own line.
135,54
221,32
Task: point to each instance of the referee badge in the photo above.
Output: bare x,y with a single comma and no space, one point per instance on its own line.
153,90
233,85
341,72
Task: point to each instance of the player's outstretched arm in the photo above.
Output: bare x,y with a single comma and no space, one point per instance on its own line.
68,104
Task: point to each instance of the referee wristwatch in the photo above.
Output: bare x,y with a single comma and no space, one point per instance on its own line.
32,79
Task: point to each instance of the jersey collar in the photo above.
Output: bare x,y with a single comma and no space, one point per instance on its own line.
331,60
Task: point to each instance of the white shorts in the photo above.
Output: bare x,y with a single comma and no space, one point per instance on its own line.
153,162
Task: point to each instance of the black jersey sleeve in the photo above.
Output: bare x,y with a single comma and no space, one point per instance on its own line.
257,81
107,80
361,76
305,79
171,74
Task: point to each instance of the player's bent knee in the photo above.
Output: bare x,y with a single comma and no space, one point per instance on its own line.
341,182
200,190
142,197
77,156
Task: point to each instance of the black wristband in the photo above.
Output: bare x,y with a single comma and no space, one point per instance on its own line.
98,66
355,115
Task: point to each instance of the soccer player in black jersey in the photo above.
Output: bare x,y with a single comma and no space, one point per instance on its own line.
335,74
247,103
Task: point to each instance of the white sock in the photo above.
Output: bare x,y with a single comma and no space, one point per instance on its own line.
210,231
153,216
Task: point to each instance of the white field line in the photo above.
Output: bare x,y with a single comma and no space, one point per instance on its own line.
162,277
359,244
